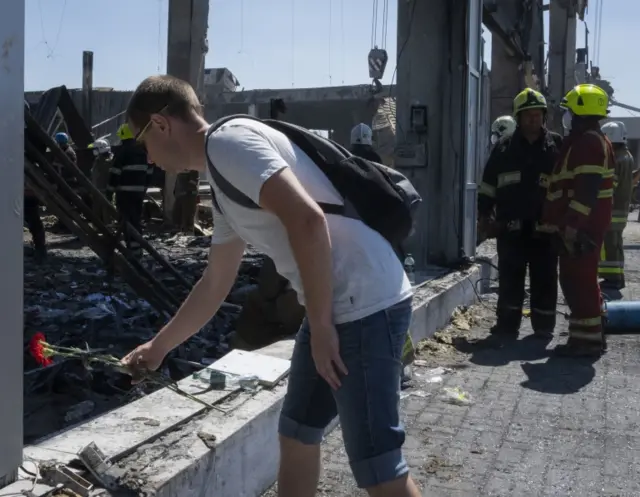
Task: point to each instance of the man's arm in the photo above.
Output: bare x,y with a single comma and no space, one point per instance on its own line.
306,226
207,295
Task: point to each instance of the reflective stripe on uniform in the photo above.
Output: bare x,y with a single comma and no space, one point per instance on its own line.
580,208
126,188
487,190
135,167
510,178
565,175
586,322
609,267
619,217
543,312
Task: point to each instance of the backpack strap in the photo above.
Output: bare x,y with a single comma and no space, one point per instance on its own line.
297,135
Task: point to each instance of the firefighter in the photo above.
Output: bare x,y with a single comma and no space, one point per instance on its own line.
130,174
62,140
578,210
509,207
362,143
33,221
502,127
611,268
100,176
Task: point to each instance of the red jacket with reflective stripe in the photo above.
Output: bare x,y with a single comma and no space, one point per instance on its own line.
580,193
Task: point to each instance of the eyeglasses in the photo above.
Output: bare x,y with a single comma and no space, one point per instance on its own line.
141,133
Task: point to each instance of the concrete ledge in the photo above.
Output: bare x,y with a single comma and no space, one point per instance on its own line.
435,300
166,445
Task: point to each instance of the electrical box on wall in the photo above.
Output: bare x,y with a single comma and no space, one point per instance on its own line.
419,119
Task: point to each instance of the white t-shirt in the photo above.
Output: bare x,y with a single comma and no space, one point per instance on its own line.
367,274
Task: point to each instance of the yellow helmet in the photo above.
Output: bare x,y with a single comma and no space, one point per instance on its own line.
528,99
124,132
586,100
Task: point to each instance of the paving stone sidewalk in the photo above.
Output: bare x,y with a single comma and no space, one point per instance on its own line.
539,426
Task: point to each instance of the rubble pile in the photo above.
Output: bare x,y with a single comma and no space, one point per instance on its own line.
75,301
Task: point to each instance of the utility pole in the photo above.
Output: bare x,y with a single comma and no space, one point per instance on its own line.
87,88
12,26
186,51
437,123
562,57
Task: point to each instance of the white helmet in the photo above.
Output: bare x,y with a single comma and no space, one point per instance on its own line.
615,131
361,134
101,146
501,127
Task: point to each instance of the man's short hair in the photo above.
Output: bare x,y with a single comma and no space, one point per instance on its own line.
173,96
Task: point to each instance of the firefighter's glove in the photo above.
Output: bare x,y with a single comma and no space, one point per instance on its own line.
569,237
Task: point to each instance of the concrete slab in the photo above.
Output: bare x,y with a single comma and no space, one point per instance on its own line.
164,444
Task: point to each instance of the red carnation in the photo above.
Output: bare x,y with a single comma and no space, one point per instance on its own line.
37,348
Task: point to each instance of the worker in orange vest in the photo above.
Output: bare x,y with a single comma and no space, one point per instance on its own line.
578,210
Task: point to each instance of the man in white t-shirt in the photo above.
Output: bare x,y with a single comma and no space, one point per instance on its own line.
347,359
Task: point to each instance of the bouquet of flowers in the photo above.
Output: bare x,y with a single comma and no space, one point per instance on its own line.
43,352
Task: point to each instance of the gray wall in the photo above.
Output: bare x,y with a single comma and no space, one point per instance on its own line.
11,188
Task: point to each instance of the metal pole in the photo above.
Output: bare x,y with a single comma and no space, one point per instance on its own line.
12,26
87,87
187,48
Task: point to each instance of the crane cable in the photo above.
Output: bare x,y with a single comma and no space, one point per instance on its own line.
597,32
383,24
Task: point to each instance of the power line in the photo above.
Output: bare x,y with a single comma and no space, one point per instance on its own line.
293,43
330,36
342,47
51,48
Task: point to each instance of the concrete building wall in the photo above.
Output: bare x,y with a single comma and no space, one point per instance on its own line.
11,265
333,108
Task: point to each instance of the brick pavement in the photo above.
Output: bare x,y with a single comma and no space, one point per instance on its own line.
539,426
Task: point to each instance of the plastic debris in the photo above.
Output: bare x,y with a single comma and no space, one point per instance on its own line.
224,381
414,393
456,396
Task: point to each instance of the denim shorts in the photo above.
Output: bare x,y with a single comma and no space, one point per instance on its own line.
368,401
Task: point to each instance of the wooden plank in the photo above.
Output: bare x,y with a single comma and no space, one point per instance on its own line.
269,370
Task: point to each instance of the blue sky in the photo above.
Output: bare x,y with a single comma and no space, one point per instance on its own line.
267,44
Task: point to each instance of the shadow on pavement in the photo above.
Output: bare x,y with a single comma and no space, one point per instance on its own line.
493,351
560,376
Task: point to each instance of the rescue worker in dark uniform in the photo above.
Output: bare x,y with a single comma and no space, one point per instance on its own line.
578,210
611,268
62,140
509,207
31,215
362,143
100,174
130,175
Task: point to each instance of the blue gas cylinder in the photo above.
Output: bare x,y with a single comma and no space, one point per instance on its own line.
622,314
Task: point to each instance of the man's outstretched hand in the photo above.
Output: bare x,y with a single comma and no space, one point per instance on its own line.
325,350
145,357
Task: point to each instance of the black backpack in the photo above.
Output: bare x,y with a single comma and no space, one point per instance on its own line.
381,197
